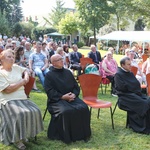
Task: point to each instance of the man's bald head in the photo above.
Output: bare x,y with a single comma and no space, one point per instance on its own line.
57,61
55,57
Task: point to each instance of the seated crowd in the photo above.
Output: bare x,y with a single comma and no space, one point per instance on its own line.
54,65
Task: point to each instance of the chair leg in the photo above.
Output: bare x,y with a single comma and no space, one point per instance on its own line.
101,87
115,108
112,120
98,113
45,113
105,88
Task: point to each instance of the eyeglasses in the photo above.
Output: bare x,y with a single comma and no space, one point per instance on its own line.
60,59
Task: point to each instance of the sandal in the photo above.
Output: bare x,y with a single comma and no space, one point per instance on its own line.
20,145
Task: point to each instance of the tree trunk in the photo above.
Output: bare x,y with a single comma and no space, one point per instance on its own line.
118,22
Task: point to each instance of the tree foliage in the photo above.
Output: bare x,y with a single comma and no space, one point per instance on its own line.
95,13
4,25
26,28
141,9
12,10
57,14
121,11
68,25
17,29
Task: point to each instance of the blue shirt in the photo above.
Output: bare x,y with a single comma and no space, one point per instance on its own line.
38,60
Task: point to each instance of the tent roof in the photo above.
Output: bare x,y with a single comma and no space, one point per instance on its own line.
55,34
127,36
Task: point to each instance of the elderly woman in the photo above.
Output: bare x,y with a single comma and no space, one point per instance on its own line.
19,117
110,66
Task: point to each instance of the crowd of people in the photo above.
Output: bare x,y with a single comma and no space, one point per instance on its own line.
20,118
53,64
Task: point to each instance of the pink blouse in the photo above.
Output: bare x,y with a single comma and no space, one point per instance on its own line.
111,65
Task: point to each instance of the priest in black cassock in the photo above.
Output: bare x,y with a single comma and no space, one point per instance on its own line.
70,116
131,98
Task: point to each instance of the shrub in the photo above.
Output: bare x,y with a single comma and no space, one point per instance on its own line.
80,44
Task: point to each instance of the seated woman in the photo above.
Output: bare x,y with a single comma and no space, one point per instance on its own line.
131,98
61,52
134,62
21,61
19,56
110,66
70,116
20,118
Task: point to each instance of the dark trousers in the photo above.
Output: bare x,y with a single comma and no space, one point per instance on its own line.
76,67
113,90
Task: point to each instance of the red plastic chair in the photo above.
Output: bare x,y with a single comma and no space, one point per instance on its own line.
89,84
134,70
105,82
84,61
148,83
28,87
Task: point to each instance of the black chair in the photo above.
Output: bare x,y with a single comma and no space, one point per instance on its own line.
45,110
45,113
127,119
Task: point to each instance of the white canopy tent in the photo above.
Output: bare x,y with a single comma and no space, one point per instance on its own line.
143,36
136,36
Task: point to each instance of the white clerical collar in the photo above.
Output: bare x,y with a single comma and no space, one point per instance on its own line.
124,69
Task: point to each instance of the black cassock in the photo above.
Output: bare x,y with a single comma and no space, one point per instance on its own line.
133,101
70,121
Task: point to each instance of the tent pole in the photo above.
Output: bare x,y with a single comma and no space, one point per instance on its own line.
107,45
143,47
130,43
117,47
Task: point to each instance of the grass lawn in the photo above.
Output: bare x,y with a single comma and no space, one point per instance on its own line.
103,136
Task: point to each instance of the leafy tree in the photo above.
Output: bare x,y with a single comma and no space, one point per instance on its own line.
4,25
37,31
12,10
26,28
93,12
17,29
57,14
141,9
16,14
122,11
139,25
68,25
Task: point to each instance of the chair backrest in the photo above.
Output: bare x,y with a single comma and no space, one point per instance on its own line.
89,84
148,83
28,87
134,70
84,61
144,57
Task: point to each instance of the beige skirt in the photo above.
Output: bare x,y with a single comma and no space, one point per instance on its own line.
19,120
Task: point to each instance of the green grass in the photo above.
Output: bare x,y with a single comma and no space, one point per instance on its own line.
103,136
